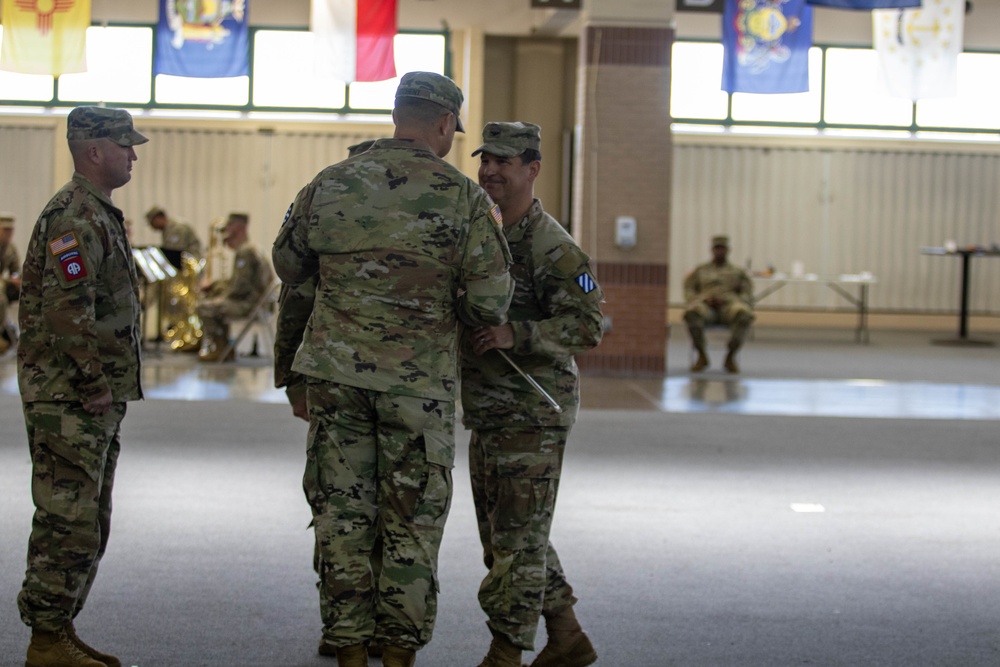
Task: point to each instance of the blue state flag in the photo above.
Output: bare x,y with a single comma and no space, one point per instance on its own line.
203,39
865,5
766,46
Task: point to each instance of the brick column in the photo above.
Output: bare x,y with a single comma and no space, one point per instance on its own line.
622,168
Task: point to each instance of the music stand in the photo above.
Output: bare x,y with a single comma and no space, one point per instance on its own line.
154,266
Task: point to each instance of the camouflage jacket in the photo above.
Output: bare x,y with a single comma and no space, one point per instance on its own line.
179,236
251,277
79,313
405,246
555,313
724,282
10,263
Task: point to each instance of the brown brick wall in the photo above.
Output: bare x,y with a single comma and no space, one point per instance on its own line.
636,304
623,169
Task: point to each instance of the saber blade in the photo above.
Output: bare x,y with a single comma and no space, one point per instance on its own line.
534,385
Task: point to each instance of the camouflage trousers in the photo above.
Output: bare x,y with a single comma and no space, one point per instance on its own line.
216,313
515,479
73,456
736,315
378,476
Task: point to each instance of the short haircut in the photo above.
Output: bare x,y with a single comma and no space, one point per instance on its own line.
530,155
239,217
419,111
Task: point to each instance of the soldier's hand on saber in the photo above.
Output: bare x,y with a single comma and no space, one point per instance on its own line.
502,338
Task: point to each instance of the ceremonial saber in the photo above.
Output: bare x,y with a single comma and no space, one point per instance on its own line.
537,387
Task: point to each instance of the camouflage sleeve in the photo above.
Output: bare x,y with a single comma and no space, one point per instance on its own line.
571,298
691,286
295,305
245,279
73,254
192,245
746,288
485,276
293,261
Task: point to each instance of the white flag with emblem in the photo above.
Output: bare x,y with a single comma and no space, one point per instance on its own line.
918,48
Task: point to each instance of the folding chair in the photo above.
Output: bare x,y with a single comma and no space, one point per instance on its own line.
261,320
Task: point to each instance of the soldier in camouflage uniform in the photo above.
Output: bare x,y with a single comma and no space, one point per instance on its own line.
295,305
518,439
10,276
405,247
77,366
237,295
718,292
175,235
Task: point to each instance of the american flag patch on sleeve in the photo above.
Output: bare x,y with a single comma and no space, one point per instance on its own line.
495,212
586,283
63,243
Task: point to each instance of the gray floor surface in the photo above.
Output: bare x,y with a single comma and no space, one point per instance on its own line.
695,534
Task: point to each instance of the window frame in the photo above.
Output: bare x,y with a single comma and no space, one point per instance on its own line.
913,127
249,107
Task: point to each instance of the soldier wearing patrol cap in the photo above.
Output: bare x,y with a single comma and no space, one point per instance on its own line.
518,438
77,366
403,247
718,292
175,235
10,276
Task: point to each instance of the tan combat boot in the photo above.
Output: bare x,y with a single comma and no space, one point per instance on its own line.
109,660
568,645
56,649
397,656
355,655
502,653
701,363
730,363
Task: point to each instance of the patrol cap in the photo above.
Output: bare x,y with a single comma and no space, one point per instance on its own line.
435,88
153,212
720,240
103,123
6,220
359,148
510,139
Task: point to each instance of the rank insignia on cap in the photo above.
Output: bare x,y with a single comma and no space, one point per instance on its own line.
72,265
586,283
495,212
63,243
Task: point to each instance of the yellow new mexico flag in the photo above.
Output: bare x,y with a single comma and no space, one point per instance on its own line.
45,36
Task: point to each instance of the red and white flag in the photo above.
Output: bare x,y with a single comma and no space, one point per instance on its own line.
353,39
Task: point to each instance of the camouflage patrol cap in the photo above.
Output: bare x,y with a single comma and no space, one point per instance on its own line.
359,148
510,139
435,88
153,212
720,240
6,220
103,123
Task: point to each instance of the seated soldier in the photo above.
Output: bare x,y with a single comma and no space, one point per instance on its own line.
236,296
718,292
176,236
10,276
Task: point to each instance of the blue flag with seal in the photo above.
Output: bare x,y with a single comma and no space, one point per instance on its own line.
865,5
203,39
766,46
